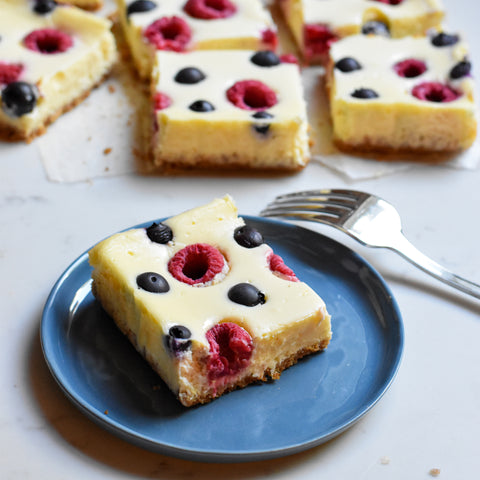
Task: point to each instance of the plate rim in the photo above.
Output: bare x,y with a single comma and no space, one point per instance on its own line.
204,454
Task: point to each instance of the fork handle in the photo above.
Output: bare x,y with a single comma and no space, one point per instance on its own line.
417,258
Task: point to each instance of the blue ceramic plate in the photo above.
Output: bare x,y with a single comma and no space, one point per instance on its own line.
313,401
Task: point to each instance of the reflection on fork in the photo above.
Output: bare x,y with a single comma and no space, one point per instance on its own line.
367,218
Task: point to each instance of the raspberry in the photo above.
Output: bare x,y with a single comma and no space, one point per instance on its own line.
231,347
270,37
410,68
278,267
251,95
161,101
48,41
289,58
169,33
210,9
196,264
10,72
318,39
435,92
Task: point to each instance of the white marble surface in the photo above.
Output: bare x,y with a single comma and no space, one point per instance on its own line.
430,417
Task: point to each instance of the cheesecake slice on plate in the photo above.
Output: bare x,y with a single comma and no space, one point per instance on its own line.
207,302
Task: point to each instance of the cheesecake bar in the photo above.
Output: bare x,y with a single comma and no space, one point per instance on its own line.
408,94
236,109
151,25
316,24
207,302
50,59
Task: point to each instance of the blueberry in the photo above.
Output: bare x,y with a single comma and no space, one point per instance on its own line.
246,294
177,339
152,282
159,233
444,40
44,6
179,331
262,128
247,236
461,69
374,27
19,98
140,6
348,64
201,106
265,58
365,93
262,114
189,75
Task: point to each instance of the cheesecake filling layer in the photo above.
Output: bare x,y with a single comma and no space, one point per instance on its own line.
206,339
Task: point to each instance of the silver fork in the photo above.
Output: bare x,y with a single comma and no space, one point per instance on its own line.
367,218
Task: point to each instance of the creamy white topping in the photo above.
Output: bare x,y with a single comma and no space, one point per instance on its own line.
351,12
250,20
377,55
199,308
222,70
17,20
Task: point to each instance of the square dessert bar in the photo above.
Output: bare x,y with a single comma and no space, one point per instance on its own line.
51,56
181,25
316,24
207,302
408,94
229,109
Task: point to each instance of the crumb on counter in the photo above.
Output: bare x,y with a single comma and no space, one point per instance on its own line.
384,460
107,151
434,472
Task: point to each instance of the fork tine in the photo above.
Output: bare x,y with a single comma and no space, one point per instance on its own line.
326,209
314,212
337,196
305,216
333,206
312,202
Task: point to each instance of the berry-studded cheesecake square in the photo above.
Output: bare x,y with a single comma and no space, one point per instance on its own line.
316,24
227,110
183,25
408,94
207,302
51,56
